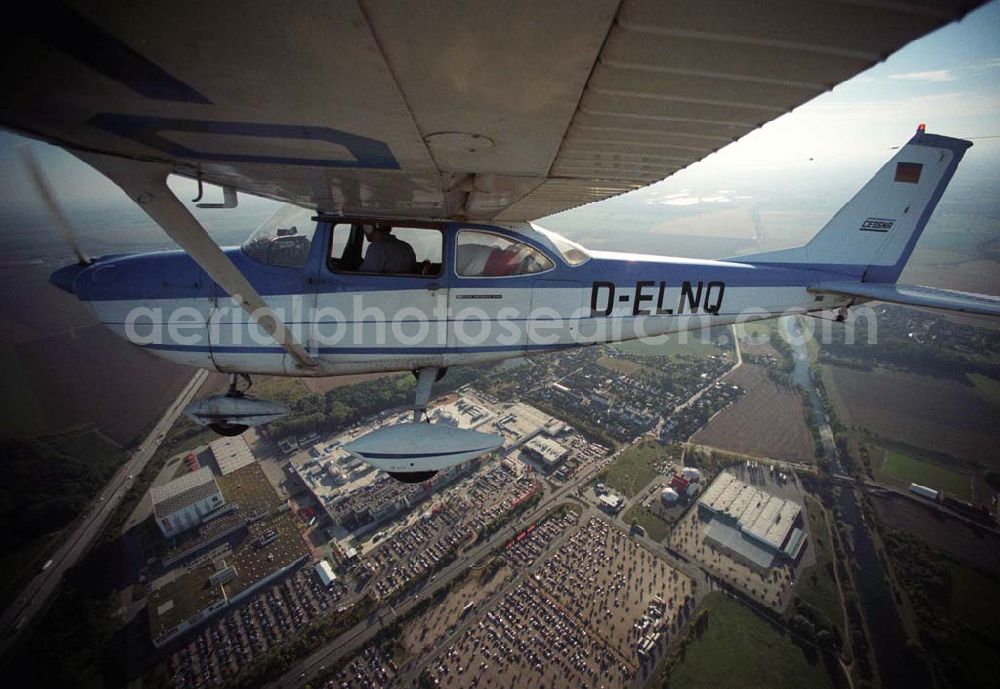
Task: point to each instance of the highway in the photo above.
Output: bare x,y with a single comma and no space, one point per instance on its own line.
34,597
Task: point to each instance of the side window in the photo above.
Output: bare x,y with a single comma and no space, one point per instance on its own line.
484,254
379,248
282,240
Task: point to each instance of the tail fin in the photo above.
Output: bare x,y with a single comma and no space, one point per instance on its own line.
872,237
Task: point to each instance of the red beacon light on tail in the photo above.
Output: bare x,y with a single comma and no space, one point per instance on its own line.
921,128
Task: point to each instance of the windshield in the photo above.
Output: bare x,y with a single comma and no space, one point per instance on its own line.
572,253
283,239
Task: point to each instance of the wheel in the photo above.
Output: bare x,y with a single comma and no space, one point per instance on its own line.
412,476
440,374
228,429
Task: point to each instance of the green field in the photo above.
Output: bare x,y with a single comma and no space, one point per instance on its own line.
989,388
817,586
656,528
738,650
674,346
913,470
633,469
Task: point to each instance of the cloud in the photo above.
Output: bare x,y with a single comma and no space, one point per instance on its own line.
937,75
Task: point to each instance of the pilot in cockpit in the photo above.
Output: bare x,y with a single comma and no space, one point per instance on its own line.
386,253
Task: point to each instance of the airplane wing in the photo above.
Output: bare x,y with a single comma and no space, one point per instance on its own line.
914,295
446,109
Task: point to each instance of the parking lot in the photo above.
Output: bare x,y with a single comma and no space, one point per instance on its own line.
218,650
771,587
577,616
373,668
526,640
608,581
455,521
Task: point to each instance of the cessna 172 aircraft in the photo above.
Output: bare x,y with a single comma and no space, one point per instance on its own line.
414,144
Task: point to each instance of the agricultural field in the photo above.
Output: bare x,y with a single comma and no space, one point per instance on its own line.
65,370
935,414
690,344
989,388
626,367
756,337
321,386
737,649
974,545
634,469
766,422
906,469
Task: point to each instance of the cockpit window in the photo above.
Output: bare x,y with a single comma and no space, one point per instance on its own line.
283,239
572,253
375,248
484,254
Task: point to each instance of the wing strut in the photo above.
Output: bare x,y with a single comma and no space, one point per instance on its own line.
146,184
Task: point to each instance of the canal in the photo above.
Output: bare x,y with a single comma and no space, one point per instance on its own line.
897,666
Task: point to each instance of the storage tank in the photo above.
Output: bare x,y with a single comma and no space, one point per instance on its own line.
692,490
669,496
691,474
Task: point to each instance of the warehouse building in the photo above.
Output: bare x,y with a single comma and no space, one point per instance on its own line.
231,454
181,504
750,523
545,450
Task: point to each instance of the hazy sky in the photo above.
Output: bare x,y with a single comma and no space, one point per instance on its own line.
950,80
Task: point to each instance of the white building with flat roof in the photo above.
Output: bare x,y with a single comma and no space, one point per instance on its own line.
180,504
231,454
763,522
325,572
546,450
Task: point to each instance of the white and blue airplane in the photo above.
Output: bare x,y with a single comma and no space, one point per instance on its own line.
442,132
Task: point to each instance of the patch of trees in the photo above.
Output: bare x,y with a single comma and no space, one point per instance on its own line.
44,489
811,623
924,576
345,406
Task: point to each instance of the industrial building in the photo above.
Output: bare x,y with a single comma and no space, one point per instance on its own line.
244,550
611,503
231,454
545,450
750,523
183,503
325,572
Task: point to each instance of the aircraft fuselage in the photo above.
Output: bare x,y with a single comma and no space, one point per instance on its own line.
354,322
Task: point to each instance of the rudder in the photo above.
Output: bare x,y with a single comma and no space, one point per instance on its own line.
873,235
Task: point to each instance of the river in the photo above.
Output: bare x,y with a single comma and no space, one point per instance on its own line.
897,666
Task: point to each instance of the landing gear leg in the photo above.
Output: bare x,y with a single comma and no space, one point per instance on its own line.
426,377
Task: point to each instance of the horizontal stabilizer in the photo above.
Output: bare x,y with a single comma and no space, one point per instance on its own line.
914,295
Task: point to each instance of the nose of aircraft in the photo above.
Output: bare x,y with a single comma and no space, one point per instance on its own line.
66,276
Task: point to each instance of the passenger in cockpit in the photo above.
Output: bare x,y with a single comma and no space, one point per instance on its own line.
386,253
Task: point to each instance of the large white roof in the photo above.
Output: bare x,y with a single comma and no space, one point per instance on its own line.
759,514
189,489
